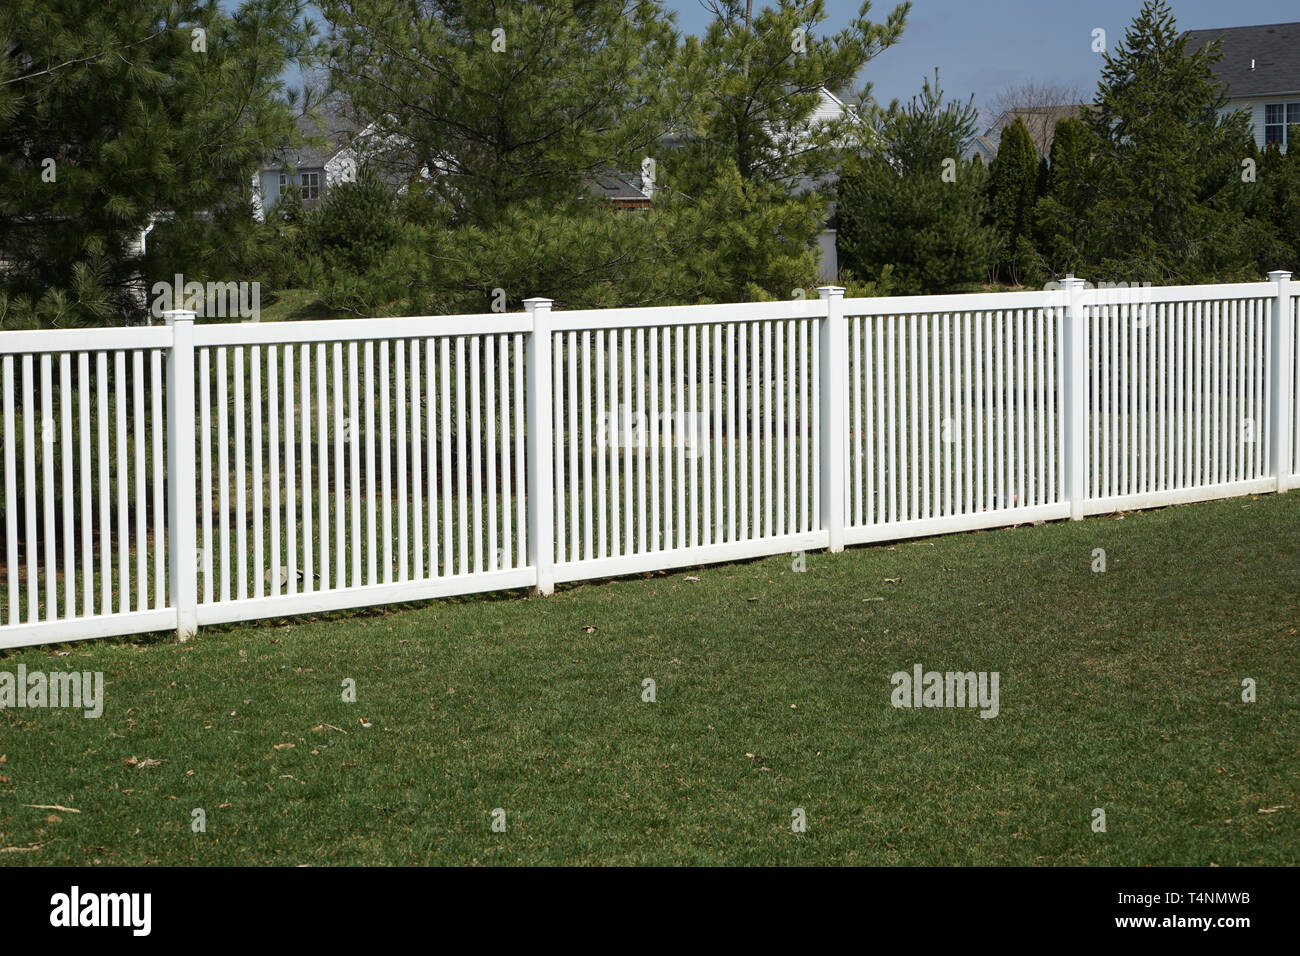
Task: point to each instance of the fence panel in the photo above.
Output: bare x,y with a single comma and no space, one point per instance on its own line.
684,442
1177,396
954,416
82,508
380,466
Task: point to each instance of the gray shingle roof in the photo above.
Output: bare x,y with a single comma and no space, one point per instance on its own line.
1274,49
617,186
327,134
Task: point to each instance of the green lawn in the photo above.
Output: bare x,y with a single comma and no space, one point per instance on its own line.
1119,690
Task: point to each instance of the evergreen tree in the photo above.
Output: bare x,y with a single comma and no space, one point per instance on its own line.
749,130
1167,158
1273,201
116,112
755,82
502,103
1013,183
911,210
1063,214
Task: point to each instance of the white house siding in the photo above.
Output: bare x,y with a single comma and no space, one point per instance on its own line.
270,180
1255,105
829,108
828,266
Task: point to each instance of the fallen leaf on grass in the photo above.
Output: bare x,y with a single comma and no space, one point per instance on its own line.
1273,809
364,722
143,764
691,578
50,806
893,580
54,818
31,847
283,747
590,628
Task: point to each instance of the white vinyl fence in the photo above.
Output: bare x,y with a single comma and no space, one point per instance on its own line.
166,478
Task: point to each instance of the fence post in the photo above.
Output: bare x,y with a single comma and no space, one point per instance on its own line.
1282,371
833,401
181,494
1074,367
541,462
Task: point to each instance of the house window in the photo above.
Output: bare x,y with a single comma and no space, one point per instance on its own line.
310,186
1277,118
284,181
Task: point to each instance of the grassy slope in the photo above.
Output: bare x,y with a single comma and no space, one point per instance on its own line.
1119,690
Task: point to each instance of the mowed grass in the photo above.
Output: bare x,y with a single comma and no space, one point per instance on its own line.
1120,690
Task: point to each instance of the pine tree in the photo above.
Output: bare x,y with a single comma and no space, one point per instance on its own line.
115,112
910,210
1013,183
755,82
501,103
1167,155
749,130
1063,214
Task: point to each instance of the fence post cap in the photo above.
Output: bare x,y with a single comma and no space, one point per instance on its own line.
537,302
826,291
1280,275
1071,281
172,316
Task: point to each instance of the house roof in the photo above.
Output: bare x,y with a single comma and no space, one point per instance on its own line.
328,133
981,146
618,187
1256,60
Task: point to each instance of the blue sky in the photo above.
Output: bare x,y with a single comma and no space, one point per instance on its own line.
983,46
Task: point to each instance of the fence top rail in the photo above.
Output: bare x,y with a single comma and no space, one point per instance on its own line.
1143,295
360,330
670,315
962,302
28,341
